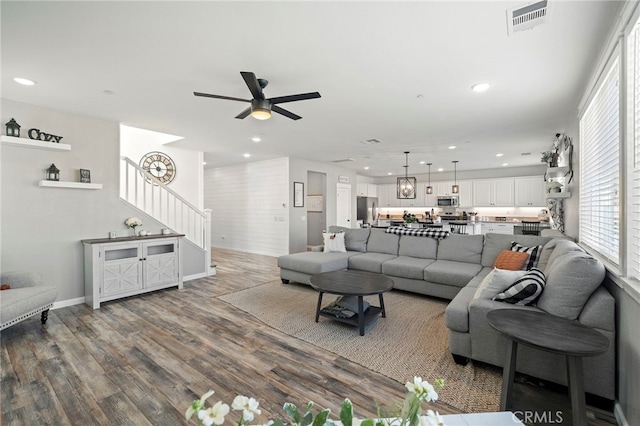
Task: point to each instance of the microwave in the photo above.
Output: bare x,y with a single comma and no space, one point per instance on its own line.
447,201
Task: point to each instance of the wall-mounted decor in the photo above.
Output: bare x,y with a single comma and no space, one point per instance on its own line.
52,173
85,176
13,128
298,194
159,165
38,135
315,203
343,179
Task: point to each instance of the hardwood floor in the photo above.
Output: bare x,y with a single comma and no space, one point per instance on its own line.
142,360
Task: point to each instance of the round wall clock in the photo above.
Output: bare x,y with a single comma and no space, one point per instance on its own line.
159,165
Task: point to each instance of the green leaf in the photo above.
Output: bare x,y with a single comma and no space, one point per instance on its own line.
292,411
321,418
368,422
346,412
277,422
307,419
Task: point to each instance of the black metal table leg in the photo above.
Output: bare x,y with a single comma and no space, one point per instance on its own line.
319,305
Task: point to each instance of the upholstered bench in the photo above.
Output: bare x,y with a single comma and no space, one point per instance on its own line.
26,297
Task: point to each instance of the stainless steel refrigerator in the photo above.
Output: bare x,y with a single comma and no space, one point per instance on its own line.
367,210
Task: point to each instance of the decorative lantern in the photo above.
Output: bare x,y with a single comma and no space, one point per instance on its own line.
53,173
13,128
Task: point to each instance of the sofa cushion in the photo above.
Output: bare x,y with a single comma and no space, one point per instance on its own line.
312,262
422,247
17,302
381,242
533,252
354,239
451,273
525,291
333,242
461,248
497,281
571,279
371,262
511,260
495,243
561,248
456,314
406,267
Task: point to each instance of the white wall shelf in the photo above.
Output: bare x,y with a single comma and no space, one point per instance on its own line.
36,144
559,195
72,185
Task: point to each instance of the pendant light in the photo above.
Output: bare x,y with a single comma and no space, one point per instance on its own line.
455,188
406,185
429,187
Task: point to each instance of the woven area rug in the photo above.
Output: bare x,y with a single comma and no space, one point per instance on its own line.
411,341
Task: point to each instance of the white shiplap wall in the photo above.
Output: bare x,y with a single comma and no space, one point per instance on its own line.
250,206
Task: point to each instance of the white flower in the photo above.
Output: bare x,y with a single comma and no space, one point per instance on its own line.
214,415
432,419
424,390
249,407
197,405
132,222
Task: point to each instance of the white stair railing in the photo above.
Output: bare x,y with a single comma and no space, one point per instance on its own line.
154,198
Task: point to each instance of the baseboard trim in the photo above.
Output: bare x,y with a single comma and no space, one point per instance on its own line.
619,414
68,302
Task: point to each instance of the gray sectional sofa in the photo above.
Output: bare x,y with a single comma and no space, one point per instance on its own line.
453,267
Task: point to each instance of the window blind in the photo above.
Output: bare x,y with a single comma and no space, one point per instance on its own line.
633,99
599,226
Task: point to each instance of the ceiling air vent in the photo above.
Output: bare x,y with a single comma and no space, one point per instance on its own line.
526,17
343,160
371,141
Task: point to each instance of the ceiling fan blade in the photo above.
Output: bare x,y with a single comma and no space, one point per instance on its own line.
293,98
228,98
276,108
244,113
252,84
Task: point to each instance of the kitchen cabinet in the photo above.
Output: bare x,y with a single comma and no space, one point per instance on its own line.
493,193
466,193
496,228
124,267
443,188
366,190
415,202
387,196
529,191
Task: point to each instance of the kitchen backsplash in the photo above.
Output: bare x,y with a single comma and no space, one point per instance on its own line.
491,212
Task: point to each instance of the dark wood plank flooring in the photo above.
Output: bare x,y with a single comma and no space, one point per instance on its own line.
142,360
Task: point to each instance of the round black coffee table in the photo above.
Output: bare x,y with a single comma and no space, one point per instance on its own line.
352,283
549,333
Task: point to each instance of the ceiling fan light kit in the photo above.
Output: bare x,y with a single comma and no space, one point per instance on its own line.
261,107
406,185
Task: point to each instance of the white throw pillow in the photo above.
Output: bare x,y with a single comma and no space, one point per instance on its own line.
497,281
334,242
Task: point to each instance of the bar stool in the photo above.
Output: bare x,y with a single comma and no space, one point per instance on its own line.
459,228
530,228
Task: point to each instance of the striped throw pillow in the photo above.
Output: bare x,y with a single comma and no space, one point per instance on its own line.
526,290
533,252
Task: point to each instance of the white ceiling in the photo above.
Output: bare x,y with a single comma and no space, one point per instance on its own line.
369,60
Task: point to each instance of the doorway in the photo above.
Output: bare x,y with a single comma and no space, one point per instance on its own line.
316,207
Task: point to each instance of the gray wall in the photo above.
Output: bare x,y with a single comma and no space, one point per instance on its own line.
42,227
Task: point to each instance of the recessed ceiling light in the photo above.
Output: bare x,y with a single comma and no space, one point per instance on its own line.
452,147
204,163
366,167
499,154
247,155
441,169
389,173
505,164
480,87
256,139
24,81
423,162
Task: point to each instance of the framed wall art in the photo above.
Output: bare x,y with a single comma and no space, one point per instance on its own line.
85,176
298,194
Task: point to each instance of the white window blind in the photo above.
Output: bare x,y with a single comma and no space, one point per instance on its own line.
599,168
633,97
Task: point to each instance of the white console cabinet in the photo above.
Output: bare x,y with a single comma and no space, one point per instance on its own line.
122,267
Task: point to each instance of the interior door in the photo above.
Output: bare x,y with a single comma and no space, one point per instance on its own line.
343,205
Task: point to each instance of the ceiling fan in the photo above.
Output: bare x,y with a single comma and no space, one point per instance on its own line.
260,107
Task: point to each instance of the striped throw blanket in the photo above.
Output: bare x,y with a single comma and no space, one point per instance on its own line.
438,234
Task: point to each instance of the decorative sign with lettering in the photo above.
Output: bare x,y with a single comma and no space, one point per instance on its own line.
343,179
36,134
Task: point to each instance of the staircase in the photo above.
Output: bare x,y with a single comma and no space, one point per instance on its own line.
154,198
